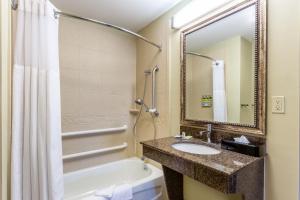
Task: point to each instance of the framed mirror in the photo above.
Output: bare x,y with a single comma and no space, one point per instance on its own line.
223,70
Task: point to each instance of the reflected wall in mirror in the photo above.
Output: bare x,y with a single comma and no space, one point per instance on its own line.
220,70
223,65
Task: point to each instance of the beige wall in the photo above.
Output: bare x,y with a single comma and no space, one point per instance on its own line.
282,170
97,67
282,164
147,58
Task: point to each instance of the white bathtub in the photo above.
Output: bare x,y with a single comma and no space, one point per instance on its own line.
147,184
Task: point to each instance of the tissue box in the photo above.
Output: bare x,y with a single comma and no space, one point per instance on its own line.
248,149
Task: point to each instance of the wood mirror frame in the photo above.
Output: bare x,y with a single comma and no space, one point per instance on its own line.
259,126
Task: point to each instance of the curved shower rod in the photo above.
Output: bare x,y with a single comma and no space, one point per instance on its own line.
14,6
203,56
56,13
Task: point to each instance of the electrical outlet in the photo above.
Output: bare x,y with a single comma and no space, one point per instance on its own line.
278,104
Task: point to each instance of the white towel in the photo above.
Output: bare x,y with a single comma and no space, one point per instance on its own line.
122,192
106,193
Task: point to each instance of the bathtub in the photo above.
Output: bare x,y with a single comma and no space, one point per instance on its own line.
146,183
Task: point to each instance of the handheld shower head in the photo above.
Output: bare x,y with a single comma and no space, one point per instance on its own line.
140,102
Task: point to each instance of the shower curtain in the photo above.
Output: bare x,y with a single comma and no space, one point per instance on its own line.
219,94
36,165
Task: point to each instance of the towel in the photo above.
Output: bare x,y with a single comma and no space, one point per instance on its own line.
106,193
121,192
101,194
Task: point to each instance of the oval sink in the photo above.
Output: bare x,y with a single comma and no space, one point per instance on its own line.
195,148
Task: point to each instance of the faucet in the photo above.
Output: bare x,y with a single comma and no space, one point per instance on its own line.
145,166
207,132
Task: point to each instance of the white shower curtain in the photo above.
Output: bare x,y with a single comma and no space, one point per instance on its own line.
219,94
36,168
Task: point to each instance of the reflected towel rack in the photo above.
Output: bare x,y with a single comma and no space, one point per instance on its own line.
92,132
93,152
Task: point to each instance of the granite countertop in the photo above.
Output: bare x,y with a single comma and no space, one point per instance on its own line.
226,162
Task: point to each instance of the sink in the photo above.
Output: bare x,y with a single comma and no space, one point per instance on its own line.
195,148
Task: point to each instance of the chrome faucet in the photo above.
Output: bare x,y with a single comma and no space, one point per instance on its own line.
143,158
207,132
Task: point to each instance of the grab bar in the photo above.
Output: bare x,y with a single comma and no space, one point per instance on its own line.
98,131
93,152
153,108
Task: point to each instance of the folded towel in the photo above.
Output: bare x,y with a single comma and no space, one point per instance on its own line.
106,193
122,192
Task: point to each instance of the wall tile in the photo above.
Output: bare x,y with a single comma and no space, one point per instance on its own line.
97,89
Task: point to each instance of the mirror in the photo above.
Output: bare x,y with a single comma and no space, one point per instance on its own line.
222,71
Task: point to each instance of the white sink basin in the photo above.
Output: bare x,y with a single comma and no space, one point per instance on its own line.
195,148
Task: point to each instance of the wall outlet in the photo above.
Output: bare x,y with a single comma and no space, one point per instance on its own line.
278,104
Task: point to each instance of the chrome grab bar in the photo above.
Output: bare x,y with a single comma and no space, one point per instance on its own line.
93,152
153,108
92,132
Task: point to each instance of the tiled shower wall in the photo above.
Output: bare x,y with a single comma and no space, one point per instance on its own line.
98,67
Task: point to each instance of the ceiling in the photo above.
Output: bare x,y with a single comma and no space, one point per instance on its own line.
239,24
130,14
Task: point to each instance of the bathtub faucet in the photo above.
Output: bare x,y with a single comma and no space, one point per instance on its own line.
143,158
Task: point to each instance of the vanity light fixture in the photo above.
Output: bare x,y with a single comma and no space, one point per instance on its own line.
194,10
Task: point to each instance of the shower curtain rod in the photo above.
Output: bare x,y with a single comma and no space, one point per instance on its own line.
203,56
56,13
14,6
